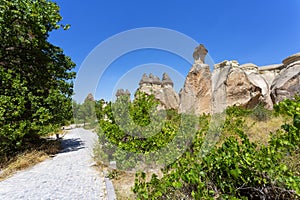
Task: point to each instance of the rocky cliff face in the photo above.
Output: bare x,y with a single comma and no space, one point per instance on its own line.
287,82
228,84
195,97
233,84
242,85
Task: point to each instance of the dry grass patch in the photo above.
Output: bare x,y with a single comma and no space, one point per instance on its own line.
259,131
23,161
36,152
123,185
124,182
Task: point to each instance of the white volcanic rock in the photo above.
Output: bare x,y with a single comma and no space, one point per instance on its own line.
269,72
287,83
239,89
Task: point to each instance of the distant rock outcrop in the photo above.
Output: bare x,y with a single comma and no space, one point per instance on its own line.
162,90
90,97
121,92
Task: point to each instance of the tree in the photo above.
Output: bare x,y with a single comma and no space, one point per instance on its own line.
85,112
76,107
36,77
99,108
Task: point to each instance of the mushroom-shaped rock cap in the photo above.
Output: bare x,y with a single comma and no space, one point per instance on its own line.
145,80
151,77
90,97
119,92
127,92
293,59
166,80
199,54
156,80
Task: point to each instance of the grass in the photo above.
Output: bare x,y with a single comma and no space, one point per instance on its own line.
34,152
122,181
123,184
259,131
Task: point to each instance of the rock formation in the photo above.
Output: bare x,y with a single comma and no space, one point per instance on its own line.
199,54
240,90
195,96
228,84
90,97
166,80
233,84
287,83
162,90
121,92
269,72
242,85
256,88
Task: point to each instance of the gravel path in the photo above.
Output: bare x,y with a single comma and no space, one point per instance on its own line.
68,175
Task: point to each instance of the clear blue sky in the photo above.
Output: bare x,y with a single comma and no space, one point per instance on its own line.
259,31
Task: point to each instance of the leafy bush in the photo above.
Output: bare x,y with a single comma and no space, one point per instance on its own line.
237,111
238,169
233,169
291,108
134,130
260,113
138,133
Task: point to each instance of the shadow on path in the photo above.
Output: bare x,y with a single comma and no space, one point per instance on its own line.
73,144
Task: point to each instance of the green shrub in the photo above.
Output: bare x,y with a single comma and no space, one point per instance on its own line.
234,169
238,169
260,113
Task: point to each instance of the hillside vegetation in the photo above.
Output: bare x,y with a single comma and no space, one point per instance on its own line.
254,153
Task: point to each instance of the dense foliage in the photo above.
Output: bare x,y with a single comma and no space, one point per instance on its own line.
85,113
134,131
291,108
238,169
235,168
35,76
